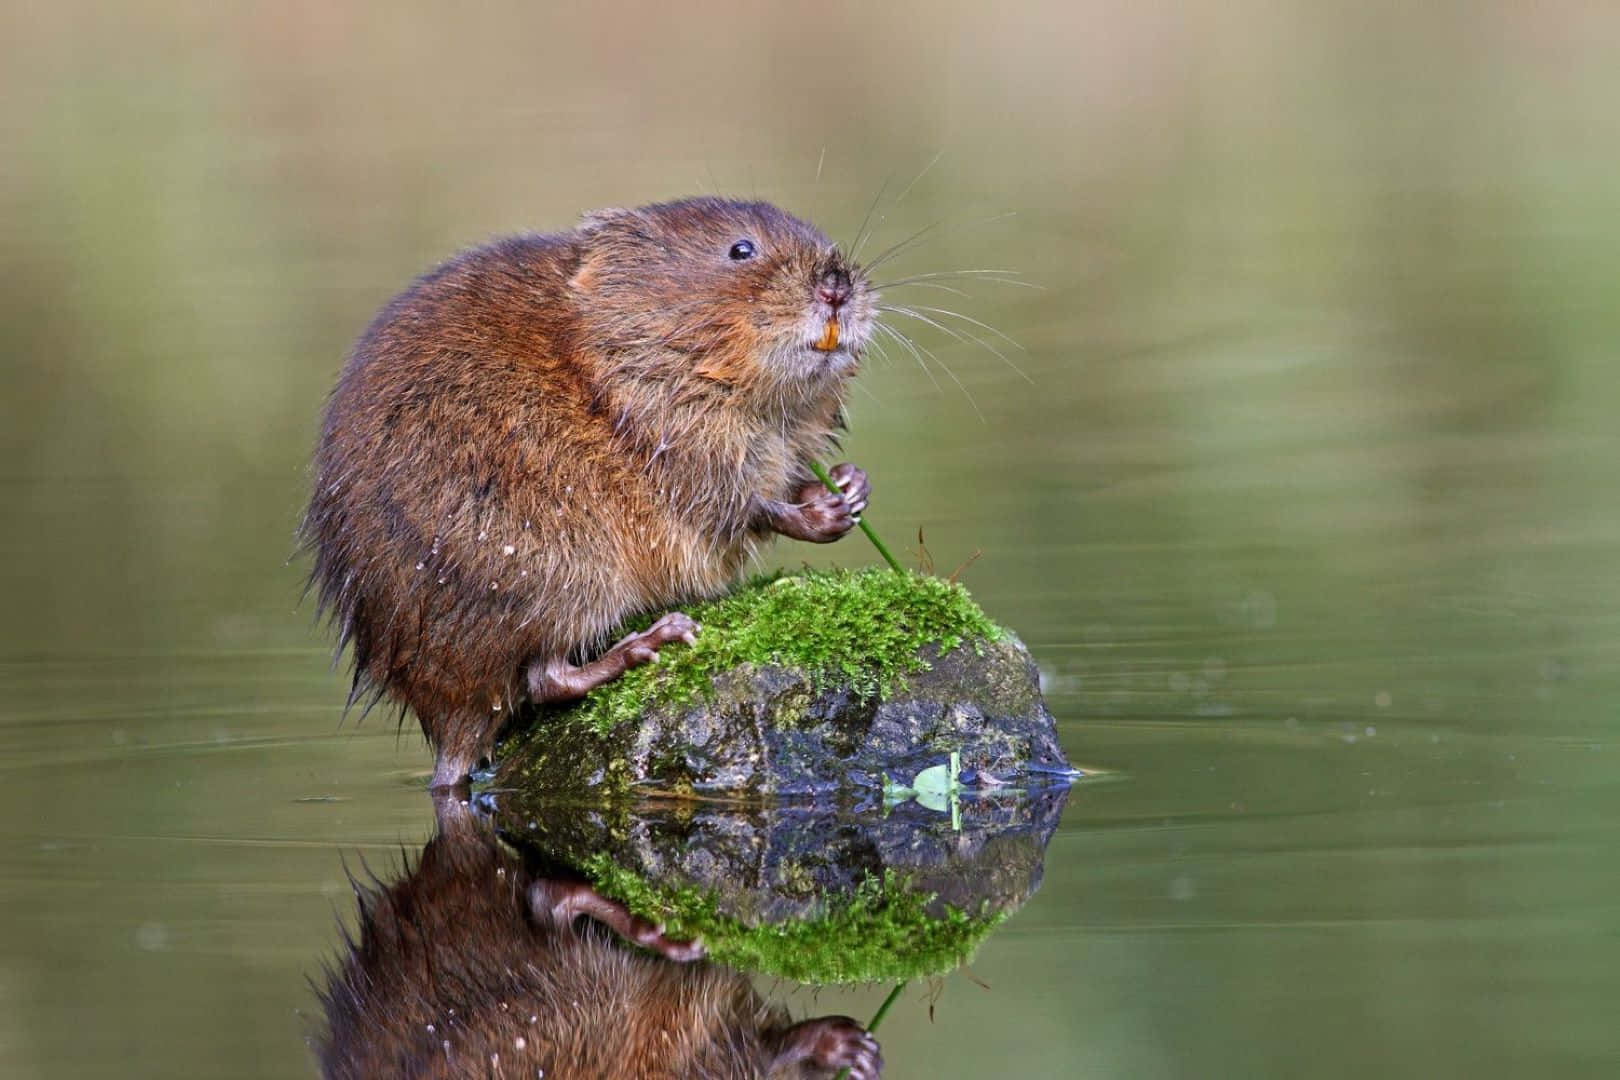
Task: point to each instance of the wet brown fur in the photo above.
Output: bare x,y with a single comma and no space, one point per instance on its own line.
549,433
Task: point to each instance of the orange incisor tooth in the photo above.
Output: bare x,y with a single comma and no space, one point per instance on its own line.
829,337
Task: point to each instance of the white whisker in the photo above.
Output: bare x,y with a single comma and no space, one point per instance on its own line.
975,322
914,347
927,285
964,336
1001,277
911,347
894,249
931,163
918,235
860,237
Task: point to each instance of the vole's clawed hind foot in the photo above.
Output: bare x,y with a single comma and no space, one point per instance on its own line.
558,680
642,648
831,1042
564,901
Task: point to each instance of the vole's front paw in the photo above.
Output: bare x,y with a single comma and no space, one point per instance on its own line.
855,485
842,1043
642,648
827,515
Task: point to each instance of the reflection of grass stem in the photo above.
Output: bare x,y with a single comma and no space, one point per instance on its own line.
883,1009
956,788
894,564
821,474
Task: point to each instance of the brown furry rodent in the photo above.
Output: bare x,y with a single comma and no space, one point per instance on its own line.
552,432
473,965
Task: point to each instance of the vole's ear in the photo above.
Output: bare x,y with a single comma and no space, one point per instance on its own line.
594,228
592,220
606,238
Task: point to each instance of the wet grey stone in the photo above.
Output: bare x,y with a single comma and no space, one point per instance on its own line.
770,731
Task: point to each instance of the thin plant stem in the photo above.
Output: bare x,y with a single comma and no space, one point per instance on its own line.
883,1009
877,1018
827,481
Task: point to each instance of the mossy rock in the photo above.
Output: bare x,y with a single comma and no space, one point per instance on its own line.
812,686
812,894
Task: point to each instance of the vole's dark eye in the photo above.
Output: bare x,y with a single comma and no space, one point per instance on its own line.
742,249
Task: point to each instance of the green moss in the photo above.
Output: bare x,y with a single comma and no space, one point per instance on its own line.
883,931
867,627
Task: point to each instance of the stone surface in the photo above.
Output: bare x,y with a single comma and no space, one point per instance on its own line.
788,733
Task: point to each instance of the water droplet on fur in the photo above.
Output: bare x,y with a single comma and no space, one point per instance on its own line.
509,550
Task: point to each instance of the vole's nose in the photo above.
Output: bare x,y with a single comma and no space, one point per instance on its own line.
833,288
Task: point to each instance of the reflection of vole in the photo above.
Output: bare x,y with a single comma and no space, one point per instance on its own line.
471,966
550,433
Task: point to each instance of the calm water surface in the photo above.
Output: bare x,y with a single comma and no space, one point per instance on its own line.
1308,510
1361,811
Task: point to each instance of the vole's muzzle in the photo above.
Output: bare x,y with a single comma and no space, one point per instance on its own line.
834,289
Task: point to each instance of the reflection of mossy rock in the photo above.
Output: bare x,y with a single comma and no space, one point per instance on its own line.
813,894
883,930
803,686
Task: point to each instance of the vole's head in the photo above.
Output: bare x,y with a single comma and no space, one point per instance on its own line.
738,294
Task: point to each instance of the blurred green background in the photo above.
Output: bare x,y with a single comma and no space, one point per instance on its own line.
1308,508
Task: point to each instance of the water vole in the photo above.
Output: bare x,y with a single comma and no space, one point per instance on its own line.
552,432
